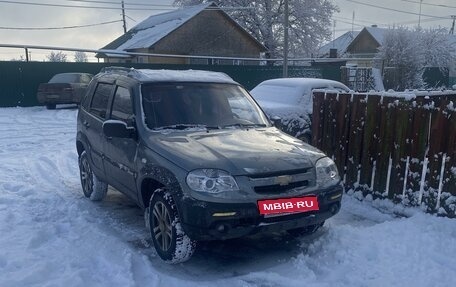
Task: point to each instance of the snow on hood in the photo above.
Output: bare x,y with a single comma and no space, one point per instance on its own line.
237,151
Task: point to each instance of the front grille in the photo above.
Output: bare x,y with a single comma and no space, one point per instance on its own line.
279,173
277,188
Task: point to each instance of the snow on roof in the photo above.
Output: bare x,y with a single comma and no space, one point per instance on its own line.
181,76
154,28
377,33
341,43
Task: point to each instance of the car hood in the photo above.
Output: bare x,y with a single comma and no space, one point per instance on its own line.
238,151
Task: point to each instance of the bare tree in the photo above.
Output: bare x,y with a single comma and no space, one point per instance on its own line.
80,57
57,57
310,22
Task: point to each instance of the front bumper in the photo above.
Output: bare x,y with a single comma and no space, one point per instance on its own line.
214,221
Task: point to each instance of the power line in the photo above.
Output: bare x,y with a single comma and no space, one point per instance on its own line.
126,3
58,28
80,6
395,10
430,4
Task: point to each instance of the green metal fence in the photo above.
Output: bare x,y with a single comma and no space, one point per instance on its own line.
19,80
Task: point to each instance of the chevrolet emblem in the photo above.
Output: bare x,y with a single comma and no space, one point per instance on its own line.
283,179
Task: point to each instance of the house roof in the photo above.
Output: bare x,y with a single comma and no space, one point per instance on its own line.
377,33
156,27
341,43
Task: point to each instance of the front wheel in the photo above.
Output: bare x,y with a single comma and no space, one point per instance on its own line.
92,186
170,240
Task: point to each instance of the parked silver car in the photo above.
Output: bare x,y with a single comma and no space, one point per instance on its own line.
65,88
289,100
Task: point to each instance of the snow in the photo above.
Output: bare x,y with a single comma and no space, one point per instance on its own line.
154,28
341,44
378,33
293,92
182,76
51,235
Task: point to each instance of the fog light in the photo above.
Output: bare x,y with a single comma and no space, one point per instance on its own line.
335,196
221,214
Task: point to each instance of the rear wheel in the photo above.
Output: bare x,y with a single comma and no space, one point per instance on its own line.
50,106
170,240
92,186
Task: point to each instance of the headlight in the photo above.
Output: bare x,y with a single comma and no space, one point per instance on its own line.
327,174
211,181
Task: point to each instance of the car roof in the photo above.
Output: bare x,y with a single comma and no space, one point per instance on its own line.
149,75
304,82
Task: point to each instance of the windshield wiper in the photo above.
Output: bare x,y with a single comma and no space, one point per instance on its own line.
245,125
186,126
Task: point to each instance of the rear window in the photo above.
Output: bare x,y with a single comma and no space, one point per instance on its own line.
277,94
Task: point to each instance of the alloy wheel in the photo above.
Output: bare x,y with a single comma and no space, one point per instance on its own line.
162,225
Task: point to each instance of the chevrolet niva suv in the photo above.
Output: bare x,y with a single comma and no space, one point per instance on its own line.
194,150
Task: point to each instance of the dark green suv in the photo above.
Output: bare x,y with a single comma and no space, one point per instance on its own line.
194,150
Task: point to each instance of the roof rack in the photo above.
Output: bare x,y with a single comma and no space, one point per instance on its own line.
130,72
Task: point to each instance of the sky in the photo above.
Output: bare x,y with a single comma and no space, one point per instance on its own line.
22,14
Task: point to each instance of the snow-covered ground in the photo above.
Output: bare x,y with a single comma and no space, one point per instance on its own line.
50,235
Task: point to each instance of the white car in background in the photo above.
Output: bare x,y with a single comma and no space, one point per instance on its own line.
290,100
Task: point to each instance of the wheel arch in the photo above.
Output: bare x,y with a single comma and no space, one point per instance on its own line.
79,147
156,177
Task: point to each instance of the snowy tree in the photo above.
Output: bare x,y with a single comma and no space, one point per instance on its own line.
438,48
411,51
80,57
310,22
57,57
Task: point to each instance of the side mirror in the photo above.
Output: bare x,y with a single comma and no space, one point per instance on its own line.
276,121
117,129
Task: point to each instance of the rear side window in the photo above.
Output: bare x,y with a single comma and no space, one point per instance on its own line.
122,107
65,78
100,100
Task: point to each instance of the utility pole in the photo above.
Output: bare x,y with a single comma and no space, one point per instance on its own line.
419,17
26,55
285,42
123,18
353,21
452,26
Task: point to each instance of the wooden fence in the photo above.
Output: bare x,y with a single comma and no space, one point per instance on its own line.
392,145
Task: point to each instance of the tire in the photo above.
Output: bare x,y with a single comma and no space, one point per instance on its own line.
50,106
304,231
170,240
92,186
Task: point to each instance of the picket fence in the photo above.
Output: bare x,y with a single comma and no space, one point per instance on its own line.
400,146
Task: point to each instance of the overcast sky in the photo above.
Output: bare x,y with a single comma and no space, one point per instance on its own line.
16,15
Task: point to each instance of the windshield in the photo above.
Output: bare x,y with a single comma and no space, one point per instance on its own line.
182,105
